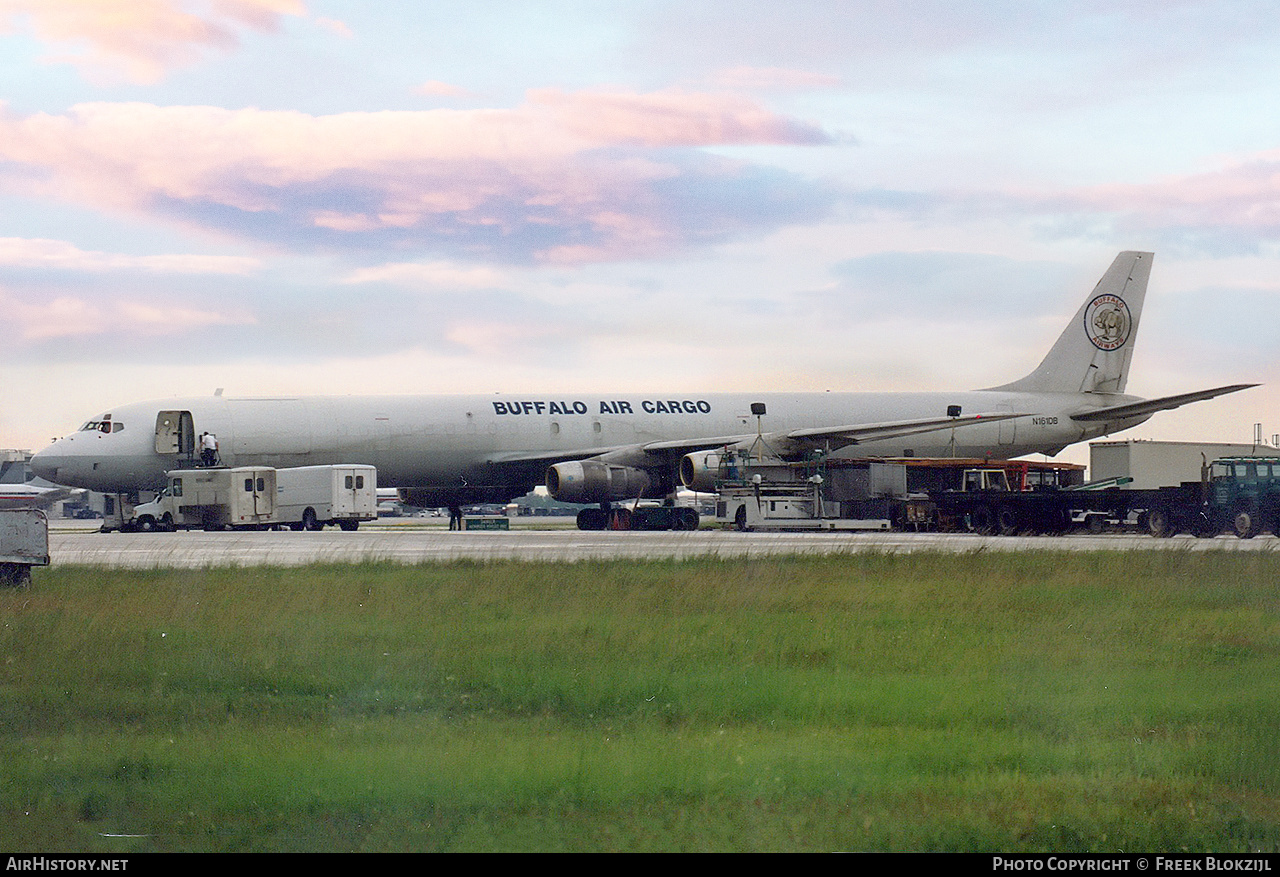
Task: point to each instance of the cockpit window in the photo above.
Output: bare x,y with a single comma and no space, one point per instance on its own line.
106,425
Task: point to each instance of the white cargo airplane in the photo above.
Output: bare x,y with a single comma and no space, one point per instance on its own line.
588,448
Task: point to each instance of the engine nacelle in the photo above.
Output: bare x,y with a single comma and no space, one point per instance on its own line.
701,470
594,481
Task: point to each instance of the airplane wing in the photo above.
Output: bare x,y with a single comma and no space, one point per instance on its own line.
1150,406
873,431
792,440
16,496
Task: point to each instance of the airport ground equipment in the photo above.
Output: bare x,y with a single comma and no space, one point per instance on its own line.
761,492
257,497
1239,495
24,543
243,497
310,497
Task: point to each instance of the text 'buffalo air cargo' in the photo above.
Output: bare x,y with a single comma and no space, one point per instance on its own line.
257,498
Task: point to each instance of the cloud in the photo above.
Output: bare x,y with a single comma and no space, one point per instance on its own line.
563,177
773,79
1242,198
434,275
436,88
60,255
142,40
65,317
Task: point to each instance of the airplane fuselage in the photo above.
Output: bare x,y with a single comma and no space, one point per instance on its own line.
497,446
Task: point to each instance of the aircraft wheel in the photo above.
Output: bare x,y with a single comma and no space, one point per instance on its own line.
591,519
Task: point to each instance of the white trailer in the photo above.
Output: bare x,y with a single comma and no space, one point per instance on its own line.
1149,465
24,543
212,499
309,497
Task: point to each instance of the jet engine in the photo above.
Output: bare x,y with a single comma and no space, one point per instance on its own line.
594,481
701,470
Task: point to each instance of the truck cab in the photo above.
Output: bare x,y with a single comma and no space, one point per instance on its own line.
1244,494
985,479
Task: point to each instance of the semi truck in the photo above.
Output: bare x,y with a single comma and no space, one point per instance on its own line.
24,543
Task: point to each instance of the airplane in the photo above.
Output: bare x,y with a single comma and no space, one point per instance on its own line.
31,496
592,448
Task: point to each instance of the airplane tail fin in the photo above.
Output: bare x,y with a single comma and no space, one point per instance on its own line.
1092,355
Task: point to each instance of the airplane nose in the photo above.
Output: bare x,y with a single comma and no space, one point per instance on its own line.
45,465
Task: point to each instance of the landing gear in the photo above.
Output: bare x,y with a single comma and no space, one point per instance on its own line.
664,517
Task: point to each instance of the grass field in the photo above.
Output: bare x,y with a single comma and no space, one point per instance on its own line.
983,702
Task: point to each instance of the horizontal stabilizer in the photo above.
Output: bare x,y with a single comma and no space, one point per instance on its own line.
1150,406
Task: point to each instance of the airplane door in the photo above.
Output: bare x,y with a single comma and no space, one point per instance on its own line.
175,434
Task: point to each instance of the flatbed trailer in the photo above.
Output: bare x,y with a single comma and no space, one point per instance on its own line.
1235,495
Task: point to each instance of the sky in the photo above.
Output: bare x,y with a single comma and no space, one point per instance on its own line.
312,196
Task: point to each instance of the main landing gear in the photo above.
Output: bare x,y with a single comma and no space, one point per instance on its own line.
663,517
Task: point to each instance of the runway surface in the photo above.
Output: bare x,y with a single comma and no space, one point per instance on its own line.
407,543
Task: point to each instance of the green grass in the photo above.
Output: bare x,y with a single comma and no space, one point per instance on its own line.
984,702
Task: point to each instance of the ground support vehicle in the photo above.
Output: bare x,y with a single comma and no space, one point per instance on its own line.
210,499
782,506
1238,495
915,494
310,497
24,543
1243,495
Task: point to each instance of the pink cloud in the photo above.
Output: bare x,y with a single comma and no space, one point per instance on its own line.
143,39
69,316
60,255
577,165
671,118
436,88
774,78
1243,195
